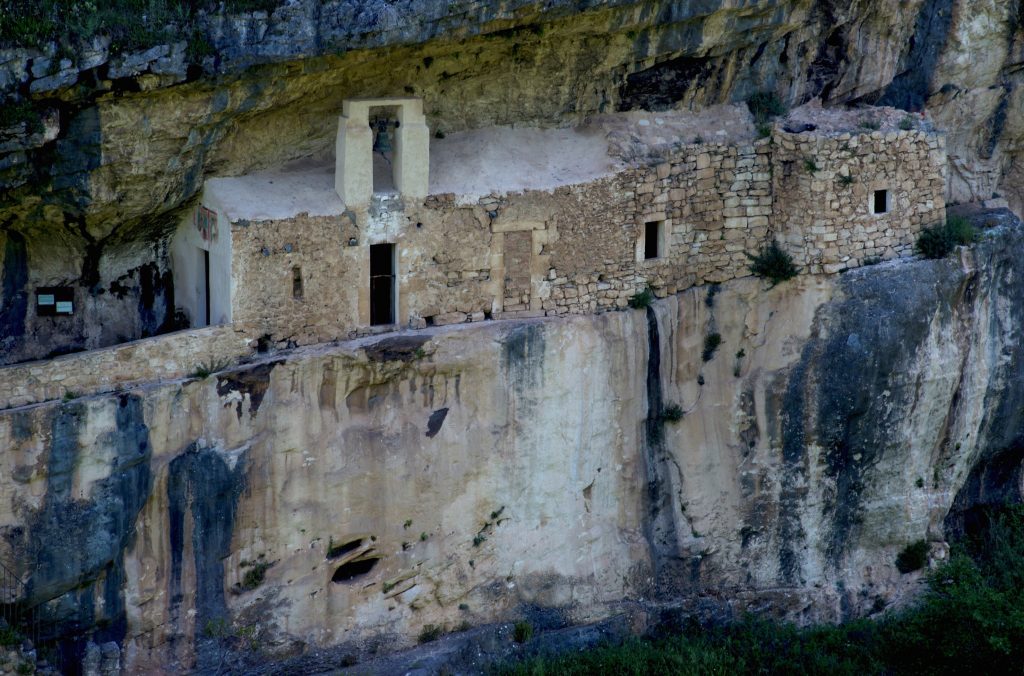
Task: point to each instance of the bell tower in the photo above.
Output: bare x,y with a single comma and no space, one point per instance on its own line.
357,141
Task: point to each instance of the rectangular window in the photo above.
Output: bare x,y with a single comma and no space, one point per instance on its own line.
652,236
297,283
880,202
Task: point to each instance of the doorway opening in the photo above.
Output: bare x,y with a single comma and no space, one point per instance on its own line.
383,289
203,290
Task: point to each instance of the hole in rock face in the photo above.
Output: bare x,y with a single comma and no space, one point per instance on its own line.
352,570
338,550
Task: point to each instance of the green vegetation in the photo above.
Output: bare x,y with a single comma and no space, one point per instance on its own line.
711,343
430,632
907,123
642,299
207,368
256,573
939,240
130,24
672,413
522,631
765,106
870,123
773,264
969,620
810,166
913,557
21,113
846,180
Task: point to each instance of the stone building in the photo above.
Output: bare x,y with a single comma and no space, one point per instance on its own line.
363,249
402,230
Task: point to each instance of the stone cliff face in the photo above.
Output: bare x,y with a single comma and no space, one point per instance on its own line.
354,495
114,145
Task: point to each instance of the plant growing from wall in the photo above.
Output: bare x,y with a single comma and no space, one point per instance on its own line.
773,263
711,343
846,180
810,166
672,413
907,123
642,299
430,632
938,241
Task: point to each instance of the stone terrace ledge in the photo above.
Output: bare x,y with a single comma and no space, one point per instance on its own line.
166,357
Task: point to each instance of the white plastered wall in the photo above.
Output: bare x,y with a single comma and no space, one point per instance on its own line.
187,265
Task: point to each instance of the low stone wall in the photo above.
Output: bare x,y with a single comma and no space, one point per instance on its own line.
174,355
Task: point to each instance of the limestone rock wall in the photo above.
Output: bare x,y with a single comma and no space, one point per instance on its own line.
353,495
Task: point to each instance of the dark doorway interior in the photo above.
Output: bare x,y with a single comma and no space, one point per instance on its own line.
382,284
206,287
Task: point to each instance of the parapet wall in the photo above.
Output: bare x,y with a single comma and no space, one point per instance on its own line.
174,355
574,250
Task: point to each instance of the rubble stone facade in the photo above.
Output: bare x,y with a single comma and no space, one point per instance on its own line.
577,249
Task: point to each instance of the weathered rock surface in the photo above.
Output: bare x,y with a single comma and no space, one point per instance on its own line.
353,495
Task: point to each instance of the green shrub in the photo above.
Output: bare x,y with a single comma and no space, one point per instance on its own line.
256,573
642,299
968,620
522,631
773,264
430,632
711,343
846,180
810,166
765,106
913,557
938,241
672,413
870,123
907,123
764,130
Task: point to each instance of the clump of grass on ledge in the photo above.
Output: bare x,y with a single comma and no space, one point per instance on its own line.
846,180
206,369
810,166
773,263
642,299
522,631
766,106
938,241
967,621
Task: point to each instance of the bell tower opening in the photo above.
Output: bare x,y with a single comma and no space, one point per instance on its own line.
384,126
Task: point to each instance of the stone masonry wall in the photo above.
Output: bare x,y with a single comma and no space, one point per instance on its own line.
577,249
822,187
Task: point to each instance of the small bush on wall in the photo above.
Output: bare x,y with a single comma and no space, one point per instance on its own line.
773,263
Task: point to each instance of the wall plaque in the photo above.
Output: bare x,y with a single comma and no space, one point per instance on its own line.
55,301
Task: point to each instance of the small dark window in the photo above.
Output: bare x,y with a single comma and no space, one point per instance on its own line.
297,283
652,234
880,203
55,301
